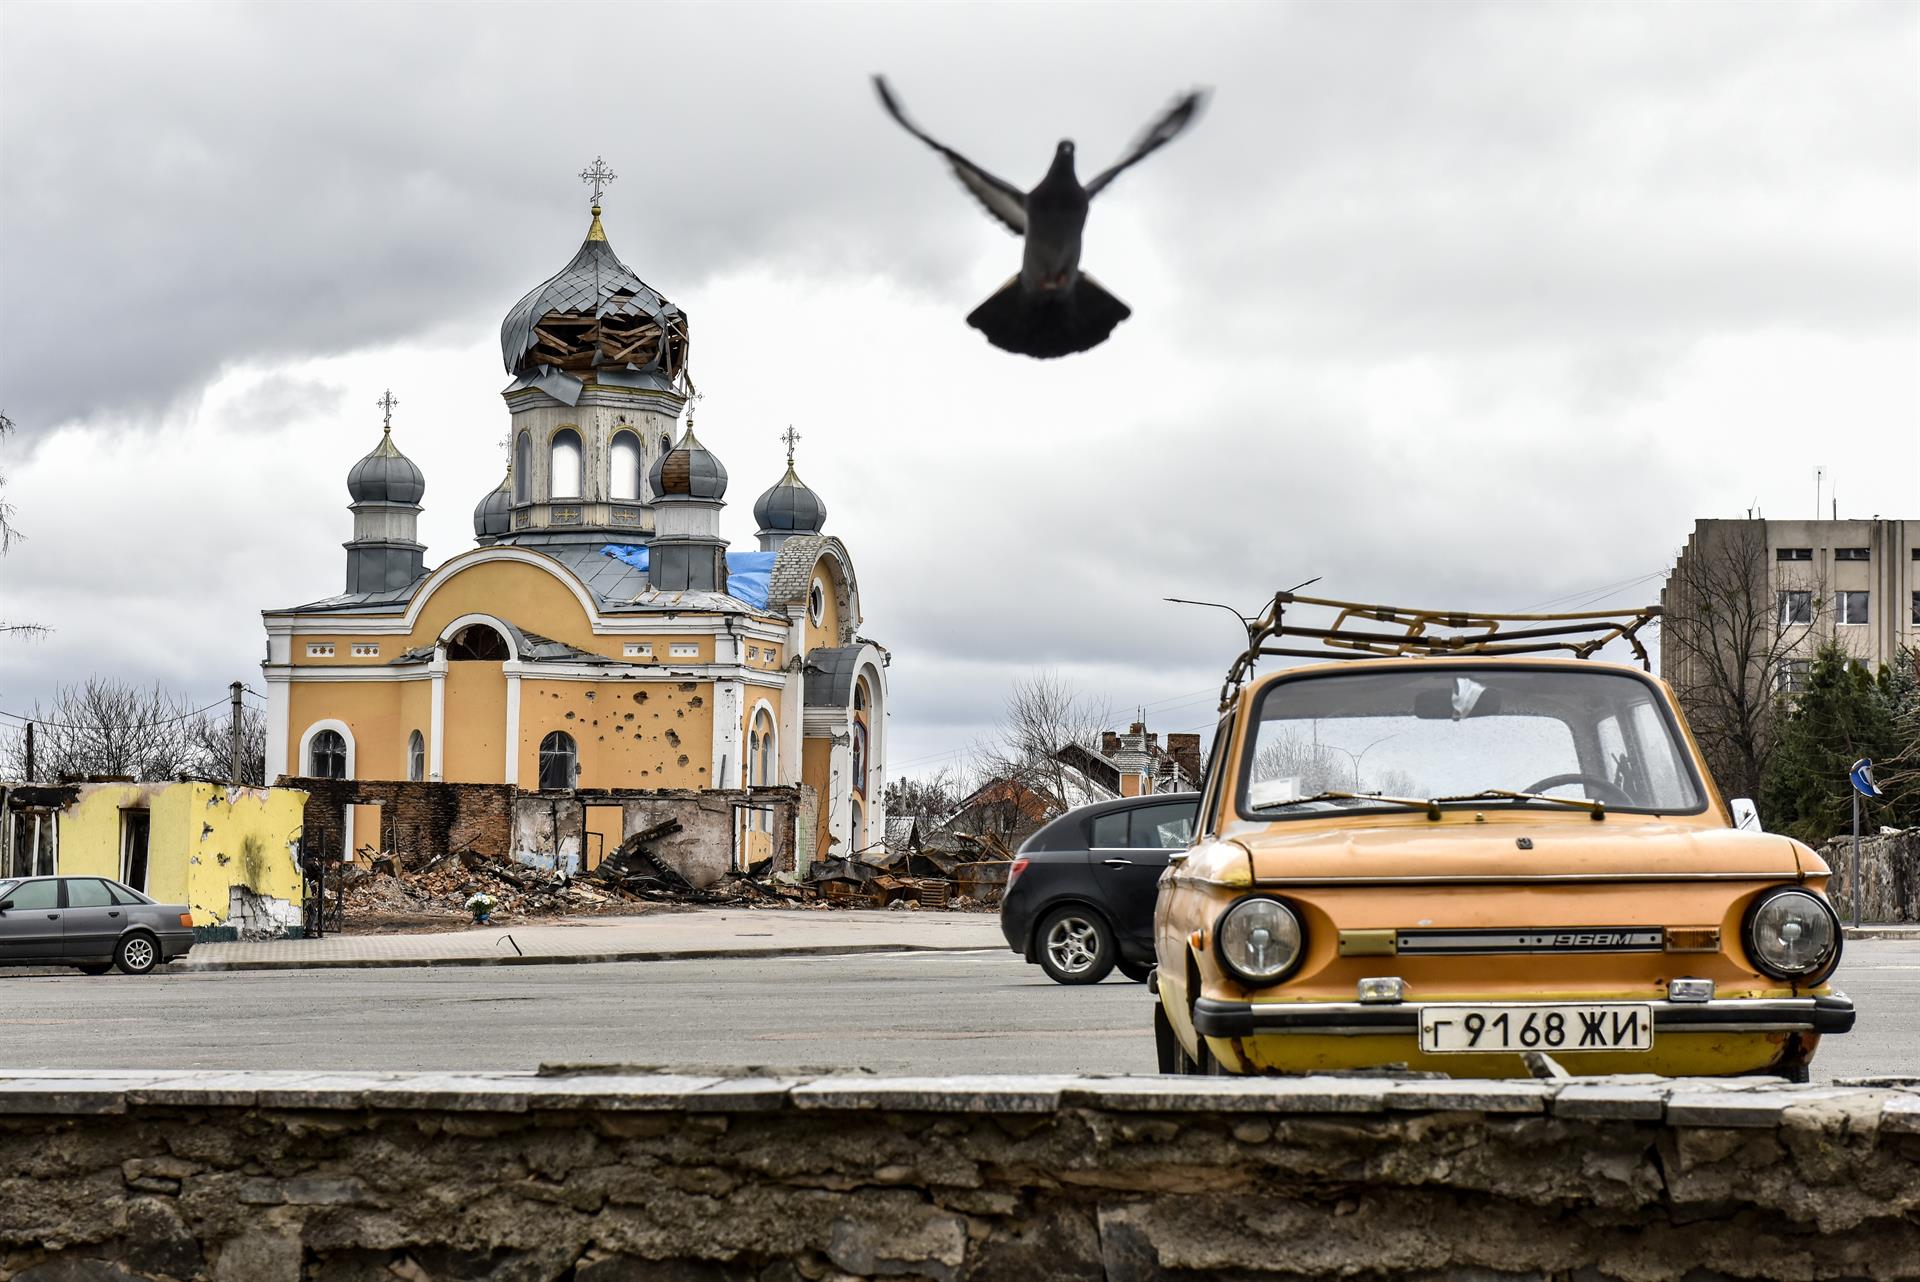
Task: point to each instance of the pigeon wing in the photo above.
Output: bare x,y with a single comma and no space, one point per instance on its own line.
1002,199
1158,135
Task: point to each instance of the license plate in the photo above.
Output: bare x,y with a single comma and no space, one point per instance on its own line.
1612,1026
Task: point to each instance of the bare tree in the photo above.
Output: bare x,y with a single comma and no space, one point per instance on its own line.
107,727
8,533
1043,714
929,796
1731,642
209,736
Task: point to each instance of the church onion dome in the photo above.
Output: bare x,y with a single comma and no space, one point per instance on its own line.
493,515
386,476
790,507
688,470
595,315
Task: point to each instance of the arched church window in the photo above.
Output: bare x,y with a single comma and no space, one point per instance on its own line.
624,483
416,757
522,466
477,641
563,471
763,763
327,756
860,758
860,695
559,761
859,829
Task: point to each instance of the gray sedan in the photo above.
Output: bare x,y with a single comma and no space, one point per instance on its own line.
93,923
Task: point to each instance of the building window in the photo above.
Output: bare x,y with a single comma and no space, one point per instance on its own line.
135,825
817,603
860,695
320,649
1916,609
563,465
1793,554
859,828
624,481
522,466
638,650
1795,607
559,761
366,651
1850,607
762,749
416,757
684,651
860,758
1850,554
1792,676
477,642
327,756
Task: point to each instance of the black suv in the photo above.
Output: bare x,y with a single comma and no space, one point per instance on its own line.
1080,892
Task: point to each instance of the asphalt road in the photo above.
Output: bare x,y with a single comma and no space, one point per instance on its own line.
898,1013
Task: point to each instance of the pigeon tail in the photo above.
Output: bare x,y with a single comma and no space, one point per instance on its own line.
1046,325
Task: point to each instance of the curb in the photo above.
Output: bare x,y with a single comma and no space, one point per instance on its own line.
1904,930
566,959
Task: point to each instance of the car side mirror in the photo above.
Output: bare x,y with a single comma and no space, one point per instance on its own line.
5,904
1746,816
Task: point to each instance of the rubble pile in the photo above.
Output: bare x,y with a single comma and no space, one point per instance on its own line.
443,885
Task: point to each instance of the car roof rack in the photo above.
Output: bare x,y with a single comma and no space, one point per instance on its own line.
1411,633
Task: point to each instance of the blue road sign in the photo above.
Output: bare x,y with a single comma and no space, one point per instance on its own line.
1861,776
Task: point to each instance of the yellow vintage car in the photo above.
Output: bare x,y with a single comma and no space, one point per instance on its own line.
1465,838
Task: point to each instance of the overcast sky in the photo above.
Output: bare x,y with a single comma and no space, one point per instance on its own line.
1448,304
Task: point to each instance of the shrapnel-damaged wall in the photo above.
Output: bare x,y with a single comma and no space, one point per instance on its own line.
609,1178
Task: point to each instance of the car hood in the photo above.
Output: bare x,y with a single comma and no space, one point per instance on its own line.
1464,850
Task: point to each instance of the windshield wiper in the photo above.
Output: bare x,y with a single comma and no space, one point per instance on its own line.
1431,807
1598,809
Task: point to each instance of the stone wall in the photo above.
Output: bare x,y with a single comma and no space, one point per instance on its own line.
292,1177
418,821
1889,875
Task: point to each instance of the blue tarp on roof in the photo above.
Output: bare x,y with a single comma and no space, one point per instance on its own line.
748,573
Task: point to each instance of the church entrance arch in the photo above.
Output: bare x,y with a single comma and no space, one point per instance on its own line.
478,694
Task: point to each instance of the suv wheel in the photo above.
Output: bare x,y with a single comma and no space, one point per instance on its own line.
1076,946
136,954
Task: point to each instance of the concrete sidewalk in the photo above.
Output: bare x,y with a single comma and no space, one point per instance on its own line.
698,934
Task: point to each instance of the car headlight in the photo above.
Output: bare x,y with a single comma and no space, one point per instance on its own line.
1259,940
1792,935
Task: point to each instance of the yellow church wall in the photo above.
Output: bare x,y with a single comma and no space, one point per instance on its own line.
630,734
827,631
816,771
202,839
373,710
474,747
416,713
524,595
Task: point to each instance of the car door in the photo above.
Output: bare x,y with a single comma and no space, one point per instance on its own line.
30,925
92,920
1130,870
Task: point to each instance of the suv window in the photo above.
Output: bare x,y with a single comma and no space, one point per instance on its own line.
36,894
1109,831
1166,827
87,892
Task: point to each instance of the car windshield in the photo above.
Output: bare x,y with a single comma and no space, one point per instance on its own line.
1403,734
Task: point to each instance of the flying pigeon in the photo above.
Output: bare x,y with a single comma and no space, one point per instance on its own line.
1051,308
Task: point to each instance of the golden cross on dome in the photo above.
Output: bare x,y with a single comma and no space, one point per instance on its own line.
386,403
599,176
789,436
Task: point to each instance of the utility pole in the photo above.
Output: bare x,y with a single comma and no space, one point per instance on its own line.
29,752
233,735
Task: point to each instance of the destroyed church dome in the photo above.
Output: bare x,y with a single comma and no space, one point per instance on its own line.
386,476
595,314
688,470
790,507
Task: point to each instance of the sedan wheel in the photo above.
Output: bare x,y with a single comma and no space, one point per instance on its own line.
1076,946
136,954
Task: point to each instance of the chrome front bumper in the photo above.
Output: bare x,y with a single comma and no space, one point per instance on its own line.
1213,1017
